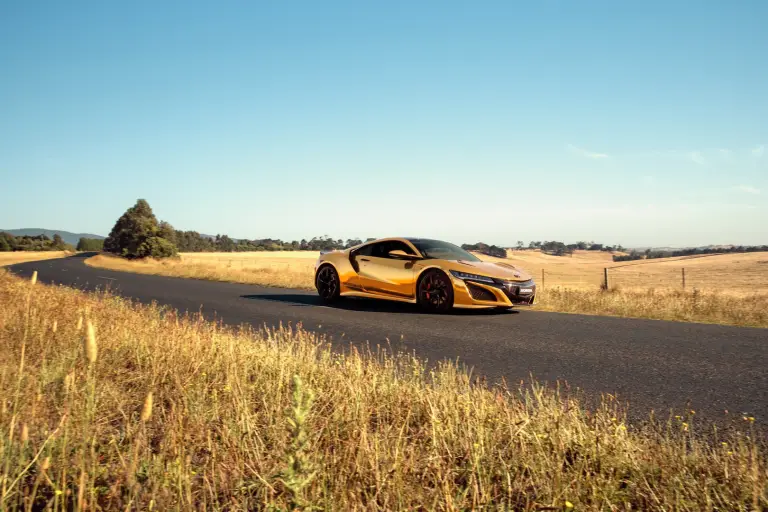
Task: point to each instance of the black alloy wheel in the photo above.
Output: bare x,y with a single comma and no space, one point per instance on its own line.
435,292
327,283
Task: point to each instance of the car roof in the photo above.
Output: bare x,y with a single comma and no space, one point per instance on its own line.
411,239
406,238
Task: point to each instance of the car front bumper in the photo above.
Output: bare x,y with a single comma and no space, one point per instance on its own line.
500,293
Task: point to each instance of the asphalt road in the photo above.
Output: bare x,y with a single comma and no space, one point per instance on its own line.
648,364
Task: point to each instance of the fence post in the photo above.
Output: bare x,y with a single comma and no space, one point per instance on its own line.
605,278
683,278
542,278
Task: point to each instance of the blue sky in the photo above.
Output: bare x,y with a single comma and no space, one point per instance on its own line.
639,123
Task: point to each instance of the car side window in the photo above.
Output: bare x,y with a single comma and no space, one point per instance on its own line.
401,246
382,249
366,250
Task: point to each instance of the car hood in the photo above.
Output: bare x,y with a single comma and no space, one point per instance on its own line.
500,270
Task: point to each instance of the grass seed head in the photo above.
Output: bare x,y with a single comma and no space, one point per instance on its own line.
91,349
146,410
69,382
24,434
34,277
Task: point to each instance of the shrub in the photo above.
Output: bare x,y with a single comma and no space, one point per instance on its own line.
156,247
130,237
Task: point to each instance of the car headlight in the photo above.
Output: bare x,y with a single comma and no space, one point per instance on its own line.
522,284
472,277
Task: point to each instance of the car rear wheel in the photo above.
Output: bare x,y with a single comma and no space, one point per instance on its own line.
435,292
327,283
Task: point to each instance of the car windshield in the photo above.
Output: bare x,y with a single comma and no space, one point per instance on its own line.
443,250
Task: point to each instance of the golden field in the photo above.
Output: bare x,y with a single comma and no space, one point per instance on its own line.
733,274
110,405
572,284
283,269
11,258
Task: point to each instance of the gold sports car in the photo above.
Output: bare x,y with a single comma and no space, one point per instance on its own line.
434,274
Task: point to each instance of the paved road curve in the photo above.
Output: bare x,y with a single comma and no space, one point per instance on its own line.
650,364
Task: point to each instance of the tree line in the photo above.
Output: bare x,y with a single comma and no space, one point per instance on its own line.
139,234
9,242
192,241
561,249
483,248
553,247
651,254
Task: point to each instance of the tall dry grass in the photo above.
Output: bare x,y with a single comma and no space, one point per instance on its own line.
678,305
11,258
732,274
692,305
113,406
287,273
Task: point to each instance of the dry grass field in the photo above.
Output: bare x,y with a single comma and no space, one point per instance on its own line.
733,274
11,258
108,405
283,269
572,284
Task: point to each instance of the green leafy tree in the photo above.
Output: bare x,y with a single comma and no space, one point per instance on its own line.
165,230
157,247
224,243
58,242
134,233
5,246
90,244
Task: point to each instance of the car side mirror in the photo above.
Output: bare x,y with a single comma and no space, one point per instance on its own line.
402,255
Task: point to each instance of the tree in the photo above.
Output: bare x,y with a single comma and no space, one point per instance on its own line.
165,230
157,247
58,242
555,248
224,243
351,242
130,237
5,246
90,244
520,245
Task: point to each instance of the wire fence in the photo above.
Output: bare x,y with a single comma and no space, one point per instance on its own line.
636,277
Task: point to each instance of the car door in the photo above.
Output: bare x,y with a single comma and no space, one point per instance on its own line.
358,257
384,275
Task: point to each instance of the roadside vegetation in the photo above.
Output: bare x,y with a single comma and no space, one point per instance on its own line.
678,305
111,405
281,272
11,258
32,243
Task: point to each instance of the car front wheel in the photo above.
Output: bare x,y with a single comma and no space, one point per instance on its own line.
435,292
327,283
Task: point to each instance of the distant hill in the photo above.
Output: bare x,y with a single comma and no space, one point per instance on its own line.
67,236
